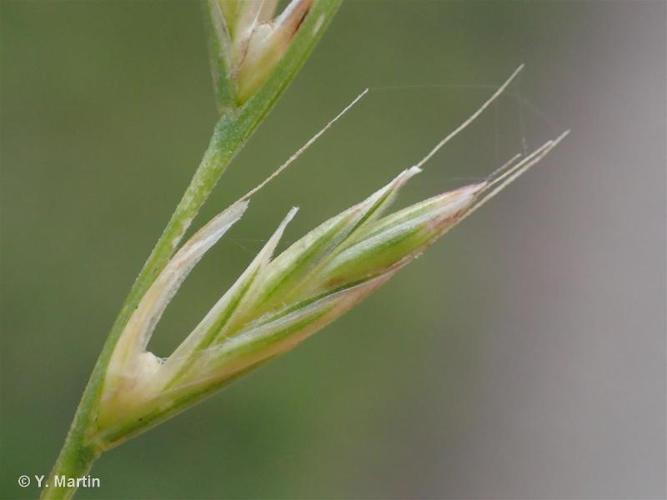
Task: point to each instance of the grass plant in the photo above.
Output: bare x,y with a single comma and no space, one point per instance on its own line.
277,301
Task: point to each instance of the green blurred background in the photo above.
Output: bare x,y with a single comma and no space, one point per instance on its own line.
522,357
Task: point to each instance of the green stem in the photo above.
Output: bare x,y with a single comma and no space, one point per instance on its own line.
82,445
75,460
229,136
78,452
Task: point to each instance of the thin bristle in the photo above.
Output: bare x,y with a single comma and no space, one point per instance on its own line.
303,148
472,117
507,174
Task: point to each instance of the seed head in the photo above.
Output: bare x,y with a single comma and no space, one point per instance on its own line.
253,38
277,302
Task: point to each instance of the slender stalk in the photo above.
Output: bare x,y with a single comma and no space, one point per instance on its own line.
75,460
81,447
229,136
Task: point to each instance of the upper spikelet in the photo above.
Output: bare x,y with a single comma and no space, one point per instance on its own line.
252,38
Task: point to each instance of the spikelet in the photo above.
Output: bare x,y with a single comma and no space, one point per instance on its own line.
252,38
277,302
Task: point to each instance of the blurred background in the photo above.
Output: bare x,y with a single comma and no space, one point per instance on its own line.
523,357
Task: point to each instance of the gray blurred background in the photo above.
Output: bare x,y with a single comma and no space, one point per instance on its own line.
523,357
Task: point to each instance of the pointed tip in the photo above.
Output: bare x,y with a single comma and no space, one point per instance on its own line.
400,180
562,136
228,216
408,173
235,211
514,74
286,220
359,97
292,212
